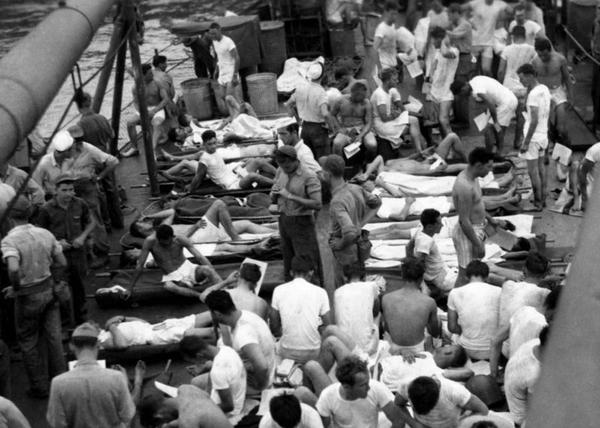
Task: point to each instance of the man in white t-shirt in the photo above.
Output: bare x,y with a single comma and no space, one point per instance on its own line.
232,176
390,122
501,105
535,131
228,65
424,248
484,17
286,411
226,379
355,400
473,311
513,56
443,70
532,29
289,136
521,375
385,38
300,310
586,172
250,337
439,402
525,324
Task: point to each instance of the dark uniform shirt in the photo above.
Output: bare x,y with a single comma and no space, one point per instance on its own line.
65,224
96,130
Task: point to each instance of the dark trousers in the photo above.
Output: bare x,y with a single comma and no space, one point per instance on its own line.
316,136
37,320
113,202
460,105
299,238
76,272
89,191
4,370
596,94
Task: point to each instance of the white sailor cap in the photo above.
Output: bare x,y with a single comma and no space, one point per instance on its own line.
62,141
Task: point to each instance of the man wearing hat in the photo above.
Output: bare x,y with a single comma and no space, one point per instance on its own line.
68,218
31,253
288,134
308,104
53,164
90,396
297,193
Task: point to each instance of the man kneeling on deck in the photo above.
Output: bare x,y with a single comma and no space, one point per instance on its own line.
180,275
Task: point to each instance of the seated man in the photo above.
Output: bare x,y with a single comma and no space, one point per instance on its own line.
439,402
180,275
299,311
355,400
501,104
121,332
345,80
388,121
226,377
250,337
473,311
407,312
521,375
354,113
286,410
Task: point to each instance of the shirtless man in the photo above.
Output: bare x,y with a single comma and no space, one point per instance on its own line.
180,275
469,234
552,70
156,100
355,114
407,312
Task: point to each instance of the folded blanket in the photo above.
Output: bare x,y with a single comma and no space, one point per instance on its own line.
391,206
415,185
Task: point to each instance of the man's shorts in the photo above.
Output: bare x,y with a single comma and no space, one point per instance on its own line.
536,149
485,51
210,233
158,118
505,112
462,244
559,95
185,274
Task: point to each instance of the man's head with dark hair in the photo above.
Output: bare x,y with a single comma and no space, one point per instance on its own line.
155,410
358,92
159,60
412,270
250,272
481,161
353,374
285,410
390,11
343,76
208,135
354,271
209,141
293,128
192,347
390,76
527,69
527,75
518,32
424,393
289,134
164,234
214,32
543,48
455,8
437,33
551,303
82,99
334,166
431,220
460,86
220,301
536,264
450,356
477,270
301,266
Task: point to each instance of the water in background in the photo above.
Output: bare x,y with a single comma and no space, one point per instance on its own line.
17,18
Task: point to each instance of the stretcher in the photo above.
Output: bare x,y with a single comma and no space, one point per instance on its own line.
416,185
146,353
149,289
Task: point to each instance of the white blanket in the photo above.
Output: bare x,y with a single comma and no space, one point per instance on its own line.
294,71
391,206
415,185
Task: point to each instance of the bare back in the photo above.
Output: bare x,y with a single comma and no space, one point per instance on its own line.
407,313
468,199
353,114
248,301
550,73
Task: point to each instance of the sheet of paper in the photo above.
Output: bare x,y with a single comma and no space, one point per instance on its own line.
562,154
414,69
171,391
263,271
481,121
352,149
403,118
415,101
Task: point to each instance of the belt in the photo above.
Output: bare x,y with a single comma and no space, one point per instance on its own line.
306,122
44,285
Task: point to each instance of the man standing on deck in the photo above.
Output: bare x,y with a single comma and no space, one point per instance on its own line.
469,233
54,164
98,132
30,253
69,220
288,135
228,66
156,101
297,193
204,63
308,104
350,209
460,34
385,41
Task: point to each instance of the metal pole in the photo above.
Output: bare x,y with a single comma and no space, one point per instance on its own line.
118,93
33,72
143,108
109,60
567,394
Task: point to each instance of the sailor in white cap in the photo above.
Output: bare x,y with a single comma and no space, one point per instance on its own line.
309,105
53,164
